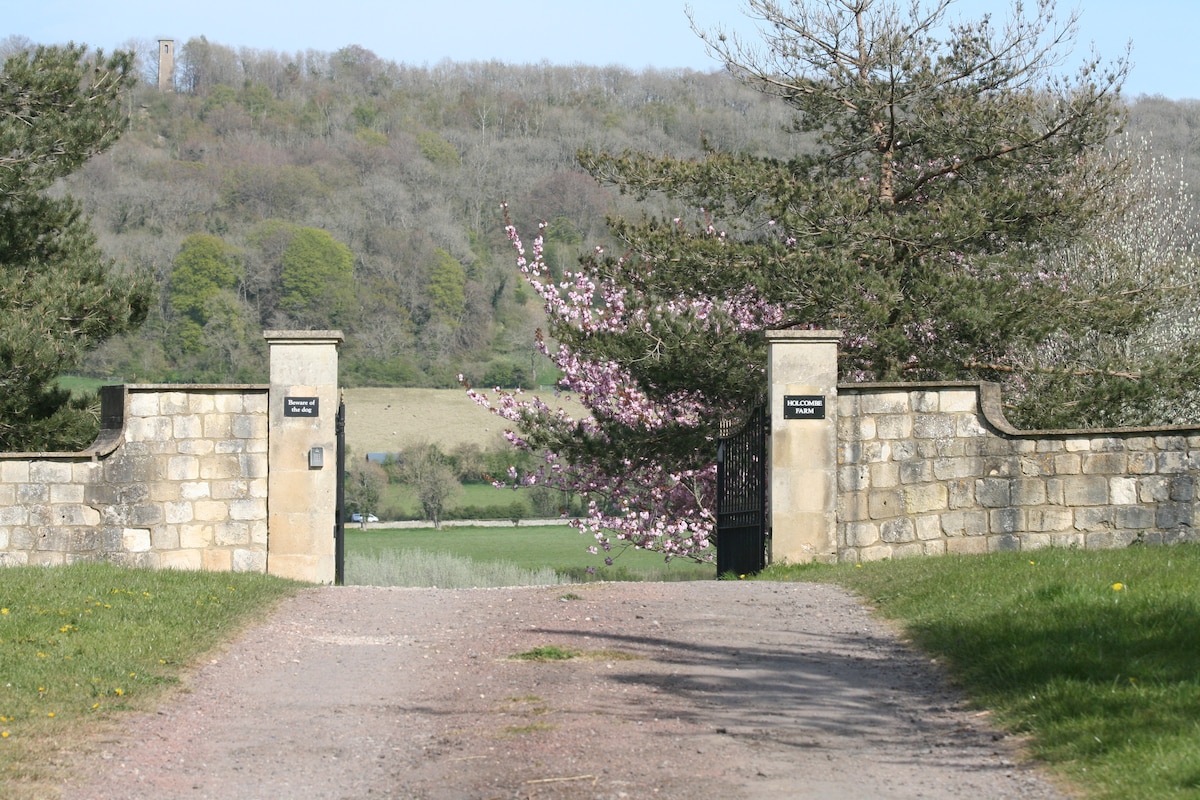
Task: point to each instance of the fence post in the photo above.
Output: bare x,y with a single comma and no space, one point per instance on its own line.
302,454
802,392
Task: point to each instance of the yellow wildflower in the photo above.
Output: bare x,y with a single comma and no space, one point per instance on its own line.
1118,587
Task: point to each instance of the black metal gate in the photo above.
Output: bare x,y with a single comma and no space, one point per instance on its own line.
339,525
742,529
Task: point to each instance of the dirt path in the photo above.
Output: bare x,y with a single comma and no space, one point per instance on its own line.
693,691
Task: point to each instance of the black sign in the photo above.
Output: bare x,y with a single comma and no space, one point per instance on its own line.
300,407
803,406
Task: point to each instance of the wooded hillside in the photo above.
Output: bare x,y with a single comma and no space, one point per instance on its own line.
339,190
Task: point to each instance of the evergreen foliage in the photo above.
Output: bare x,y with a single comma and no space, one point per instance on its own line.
59,296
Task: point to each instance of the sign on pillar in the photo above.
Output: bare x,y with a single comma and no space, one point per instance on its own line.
802,453
302,481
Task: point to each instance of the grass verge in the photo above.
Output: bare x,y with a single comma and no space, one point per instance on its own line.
81,644
1094,655
447,558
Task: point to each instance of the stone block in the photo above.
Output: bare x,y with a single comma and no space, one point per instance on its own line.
1028,492
75,514
187,426
894,426
1105,463
925,402
183,468
1141,463
50,472
928,527
1006,520
232,533
211,510
1172,462
852,507
248,509
925,497
968,426
904,450
164,537
1008,543
196,536
1182,489
1135,517
176,513
1068,464
1077,445
993,492
14,471
910,550
861,534
84,540
1037,465
916,471
885,475
136,540
877,553
933,426
217,560
143,404
898,530
854,477
961,493
1094,518
1173,515
935,547
13,515
249,561
218,426
975,545
1109,540
965,523
883,504
884,402
1171,443
1067,540
1122,491
1049,518
958,400
1154,489
66,493
188,560
238,489
196,447
1085,490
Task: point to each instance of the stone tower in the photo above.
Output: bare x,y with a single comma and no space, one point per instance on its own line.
166,65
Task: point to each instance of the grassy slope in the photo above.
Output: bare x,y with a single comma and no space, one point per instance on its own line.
82,643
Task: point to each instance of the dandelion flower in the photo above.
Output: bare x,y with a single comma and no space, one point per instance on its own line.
3,610
1118,587
3,734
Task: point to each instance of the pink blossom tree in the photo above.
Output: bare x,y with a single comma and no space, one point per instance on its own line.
940,167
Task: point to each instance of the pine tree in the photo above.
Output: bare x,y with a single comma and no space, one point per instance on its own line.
59,296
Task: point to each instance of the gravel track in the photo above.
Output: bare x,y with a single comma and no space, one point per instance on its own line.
685,690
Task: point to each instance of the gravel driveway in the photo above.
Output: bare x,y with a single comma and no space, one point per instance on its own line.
684,690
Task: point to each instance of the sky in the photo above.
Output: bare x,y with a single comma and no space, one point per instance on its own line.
632,33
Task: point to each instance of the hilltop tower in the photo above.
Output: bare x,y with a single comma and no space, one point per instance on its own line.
166,65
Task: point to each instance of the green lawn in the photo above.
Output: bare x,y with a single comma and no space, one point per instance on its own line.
557,547
81,643
1094,655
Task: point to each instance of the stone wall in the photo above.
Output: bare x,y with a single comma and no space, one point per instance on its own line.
177,478
926,469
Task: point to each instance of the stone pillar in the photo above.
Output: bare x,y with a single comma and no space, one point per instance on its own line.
302,476
802,392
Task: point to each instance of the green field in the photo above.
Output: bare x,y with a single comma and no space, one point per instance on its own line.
556,547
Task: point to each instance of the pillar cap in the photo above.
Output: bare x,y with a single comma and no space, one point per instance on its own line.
314,337
804,336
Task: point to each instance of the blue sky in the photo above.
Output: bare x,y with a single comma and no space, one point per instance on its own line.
634,33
